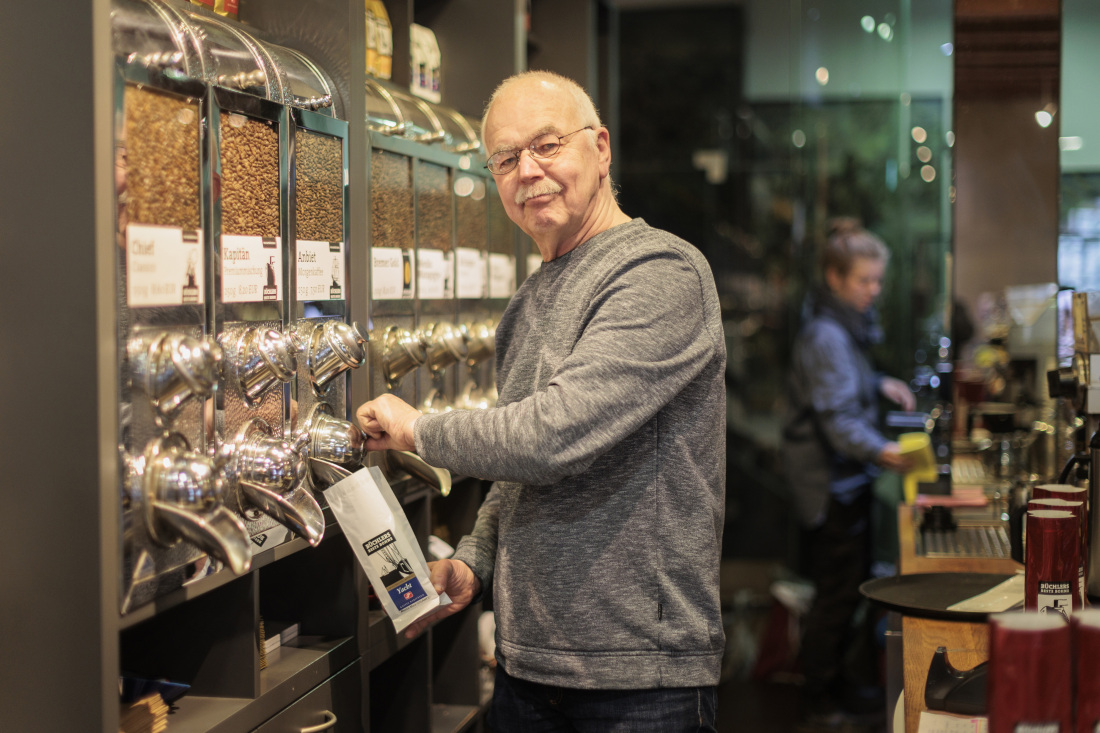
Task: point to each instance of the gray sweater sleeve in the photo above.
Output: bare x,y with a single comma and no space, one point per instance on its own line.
643,338
479,548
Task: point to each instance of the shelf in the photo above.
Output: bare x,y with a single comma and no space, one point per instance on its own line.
297,670
205,585
384,643
454,718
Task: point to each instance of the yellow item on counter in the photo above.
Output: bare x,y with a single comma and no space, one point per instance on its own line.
918,448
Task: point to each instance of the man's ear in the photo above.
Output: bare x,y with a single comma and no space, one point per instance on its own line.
603,151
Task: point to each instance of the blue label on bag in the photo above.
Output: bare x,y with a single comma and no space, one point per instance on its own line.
407,593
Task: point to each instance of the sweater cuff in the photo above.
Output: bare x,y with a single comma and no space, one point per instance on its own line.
478,559
426,438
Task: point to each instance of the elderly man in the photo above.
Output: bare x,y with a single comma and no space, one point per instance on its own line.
602,532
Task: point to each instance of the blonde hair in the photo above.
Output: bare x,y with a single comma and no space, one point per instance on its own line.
848,242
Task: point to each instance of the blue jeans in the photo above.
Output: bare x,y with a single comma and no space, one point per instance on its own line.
520,706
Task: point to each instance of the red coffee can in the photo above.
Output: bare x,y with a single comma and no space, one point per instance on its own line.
1052,562
1085,632
1030,673
1060,491
1078,508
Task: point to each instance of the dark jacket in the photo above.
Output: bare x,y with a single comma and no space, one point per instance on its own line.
831,435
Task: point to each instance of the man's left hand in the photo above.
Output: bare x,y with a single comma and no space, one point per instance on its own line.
388,423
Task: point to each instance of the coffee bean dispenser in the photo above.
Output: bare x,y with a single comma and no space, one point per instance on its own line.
330,345
226,333
428,247
175,510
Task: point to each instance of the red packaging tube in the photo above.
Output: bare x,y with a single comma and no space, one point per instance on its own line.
1078,508
1085,631
1060,491
1052,561
1030,684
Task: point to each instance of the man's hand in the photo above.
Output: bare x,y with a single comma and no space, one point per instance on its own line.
890,457
454,578
899,393
388,423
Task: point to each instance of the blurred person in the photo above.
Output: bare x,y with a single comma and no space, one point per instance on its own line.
601,534
833,450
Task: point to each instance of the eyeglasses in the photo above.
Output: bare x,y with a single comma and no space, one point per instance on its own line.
542,147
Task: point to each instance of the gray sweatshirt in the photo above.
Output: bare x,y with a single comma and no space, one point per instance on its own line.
602,533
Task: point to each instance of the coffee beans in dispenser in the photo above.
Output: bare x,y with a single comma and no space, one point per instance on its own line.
1030,685
1052,562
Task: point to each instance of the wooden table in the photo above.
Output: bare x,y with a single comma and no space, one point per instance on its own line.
967,642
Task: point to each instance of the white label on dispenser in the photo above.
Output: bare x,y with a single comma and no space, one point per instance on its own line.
435,274
471,273
1052,727
502,276
391,272
164,266
252,268
534,262
1055,597
320,270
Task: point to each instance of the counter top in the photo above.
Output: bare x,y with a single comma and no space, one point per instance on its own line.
967,642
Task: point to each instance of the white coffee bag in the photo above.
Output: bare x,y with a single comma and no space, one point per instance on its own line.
380,535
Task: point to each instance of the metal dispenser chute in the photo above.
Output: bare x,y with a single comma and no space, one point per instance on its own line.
209,357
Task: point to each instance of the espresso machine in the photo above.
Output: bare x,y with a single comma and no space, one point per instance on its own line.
1081,381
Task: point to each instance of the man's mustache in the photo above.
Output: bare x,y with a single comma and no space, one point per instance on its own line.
536,189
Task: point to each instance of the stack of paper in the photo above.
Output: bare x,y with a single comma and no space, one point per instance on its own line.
147,715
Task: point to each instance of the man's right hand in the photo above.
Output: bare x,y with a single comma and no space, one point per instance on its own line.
454,578
388,422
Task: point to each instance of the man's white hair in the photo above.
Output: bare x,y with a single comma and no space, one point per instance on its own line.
585,109
582,103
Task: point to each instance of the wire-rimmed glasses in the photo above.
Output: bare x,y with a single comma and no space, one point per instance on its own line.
542,147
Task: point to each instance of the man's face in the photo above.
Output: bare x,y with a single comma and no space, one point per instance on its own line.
552,200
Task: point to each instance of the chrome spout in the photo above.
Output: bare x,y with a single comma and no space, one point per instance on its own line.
220,533
326,472
183,494
402,351
333,348
414,465
444,345
333,442
172,369
296,509
269,472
